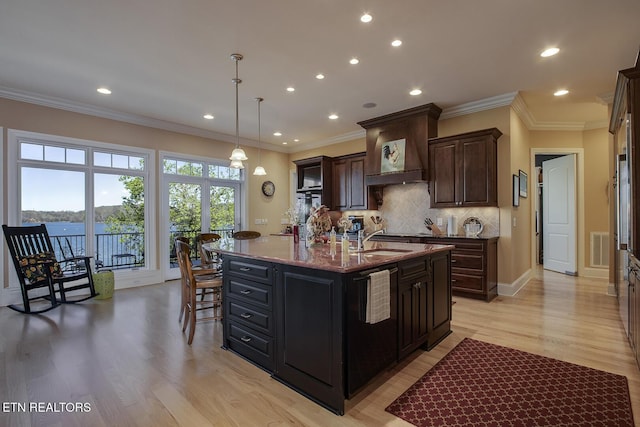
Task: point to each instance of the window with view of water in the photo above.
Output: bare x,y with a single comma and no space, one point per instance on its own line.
91,199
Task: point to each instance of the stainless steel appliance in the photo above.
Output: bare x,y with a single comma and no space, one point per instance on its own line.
304,202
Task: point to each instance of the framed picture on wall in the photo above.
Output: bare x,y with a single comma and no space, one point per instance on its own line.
516,190
524,183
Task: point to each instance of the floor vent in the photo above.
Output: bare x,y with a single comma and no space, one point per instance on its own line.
599,249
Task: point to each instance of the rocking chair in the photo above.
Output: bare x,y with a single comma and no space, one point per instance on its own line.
37,268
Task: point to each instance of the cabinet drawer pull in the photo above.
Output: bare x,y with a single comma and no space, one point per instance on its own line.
453,280
245,292
453,261
246,315
245,268
245,339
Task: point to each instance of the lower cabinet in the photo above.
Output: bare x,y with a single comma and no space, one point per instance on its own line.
308,328
310,334
249,327
424,303
633,302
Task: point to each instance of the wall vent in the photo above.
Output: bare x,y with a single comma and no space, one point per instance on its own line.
599,249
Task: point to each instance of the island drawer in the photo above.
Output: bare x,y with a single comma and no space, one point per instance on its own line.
248,315
412,267
248,291
254,346
251,269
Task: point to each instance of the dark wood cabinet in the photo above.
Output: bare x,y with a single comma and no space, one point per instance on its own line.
474,263
349,189
413,283
463,169
310,334
474,266
315,175
438,299
248,306
625,127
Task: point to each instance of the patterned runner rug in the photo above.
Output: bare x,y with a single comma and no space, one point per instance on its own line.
481,384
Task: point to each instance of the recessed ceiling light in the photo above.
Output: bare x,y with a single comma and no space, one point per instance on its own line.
208,116
320,76
415,92
560,92
291,89
366,18
333,116
104,91
549,52
369,105
284,142
296,140
396,43
354,61
277,134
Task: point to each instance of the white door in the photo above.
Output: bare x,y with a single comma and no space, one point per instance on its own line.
559,214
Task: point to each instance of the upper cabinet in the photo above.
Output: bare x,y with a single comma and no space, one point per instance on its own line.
349,189
397,145
463,169
315,175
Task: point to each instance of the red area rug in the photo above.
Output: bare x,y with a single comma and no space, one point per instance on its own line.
481,384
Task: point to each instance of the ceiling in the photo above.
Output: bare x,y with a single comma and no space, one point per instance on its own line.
168,62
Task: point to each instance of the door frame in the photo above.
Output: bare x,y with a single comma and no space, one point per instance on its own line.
580,237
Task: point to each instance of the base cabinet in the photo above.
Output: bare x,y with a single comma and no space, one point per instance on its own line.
308,327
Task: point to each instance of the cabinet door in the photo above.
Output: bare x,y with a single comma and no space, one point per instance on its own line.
443,167
357,188
477,183
340,185
439,298
412,314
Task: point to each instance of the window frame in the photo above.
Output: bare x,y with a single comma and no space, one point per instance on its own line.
127,277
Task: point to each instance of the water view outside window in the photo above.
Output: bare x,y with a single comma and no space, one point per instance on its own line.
53,191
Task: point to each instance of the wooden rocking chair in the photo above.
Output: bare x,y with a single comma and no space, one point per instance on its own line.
37,268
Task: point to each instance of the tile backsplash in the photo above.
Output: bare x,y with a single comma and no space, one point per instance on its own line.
406,207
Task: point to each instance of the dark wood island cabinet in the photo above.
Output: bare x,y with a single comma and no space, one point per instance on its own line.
299,313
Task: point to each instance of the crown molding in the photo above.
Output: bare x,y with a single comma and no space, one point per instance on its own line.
503,100
329,141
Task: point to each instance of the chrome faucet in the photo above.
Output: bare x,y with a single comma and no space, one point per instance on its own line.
362,239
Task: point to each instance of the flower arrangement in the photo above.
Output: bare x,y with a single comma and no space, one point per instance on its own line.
318,223
292,215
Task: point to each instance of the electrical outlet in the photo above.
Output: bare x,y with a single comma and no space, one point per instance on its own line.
257,221
439,222
264,221
514,221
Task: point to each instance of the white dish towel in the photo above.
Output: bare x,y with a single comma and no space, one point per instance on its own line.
378,297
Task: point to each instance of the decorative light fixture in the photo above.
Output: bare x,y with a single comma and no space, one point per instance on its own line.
237,155
259,169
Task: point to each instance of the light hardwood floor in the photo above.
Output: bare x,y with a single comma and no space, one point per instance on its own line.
128,358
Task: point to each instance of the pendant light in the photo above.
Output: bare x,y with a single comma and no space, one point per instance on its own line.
237,155
259,169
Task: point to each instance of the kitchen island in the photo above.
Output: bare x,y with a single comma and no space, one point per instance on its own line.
299,313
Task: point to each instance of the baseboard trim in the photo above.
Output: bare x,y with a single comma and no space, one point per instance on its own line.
600,273
512,289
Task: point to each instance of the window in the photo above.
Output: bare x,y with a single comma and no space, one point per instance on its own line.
94,197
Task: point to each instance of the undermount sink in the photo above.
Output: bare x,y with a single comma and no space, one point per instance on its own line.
385,252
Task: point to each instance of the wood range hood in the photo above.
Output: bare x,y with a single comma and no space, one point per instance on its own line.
401,137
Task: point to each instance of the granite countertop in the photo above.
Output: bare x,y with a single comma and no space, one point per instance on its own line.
282,249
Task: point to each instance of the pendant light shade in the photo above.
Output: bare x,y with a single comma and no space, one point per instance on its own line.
259,169
237,155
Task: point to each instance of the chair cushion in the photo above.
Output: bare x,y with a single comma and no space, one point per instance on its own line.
33,266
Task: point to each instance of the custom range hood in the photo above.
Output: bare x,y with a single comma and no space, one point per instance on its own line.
397,150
